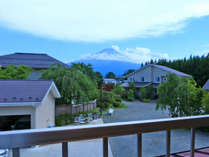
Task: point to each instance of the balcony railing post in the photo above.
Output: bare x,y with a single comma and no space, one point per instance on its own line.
16,152
192,151
139,144
105,147
168,143
65,149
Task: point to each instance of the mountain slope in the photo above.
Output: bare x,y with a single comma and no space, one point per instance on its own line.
109,60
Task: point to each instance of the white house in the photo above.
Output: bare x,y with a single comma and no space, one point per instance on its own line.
151,74
26,104
110,80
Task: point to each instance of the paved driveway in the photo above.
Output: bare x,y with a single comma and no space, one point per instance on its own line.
153,143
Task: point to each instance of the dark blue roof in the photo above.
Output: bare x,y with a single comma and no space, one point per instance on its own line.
33,60
23,90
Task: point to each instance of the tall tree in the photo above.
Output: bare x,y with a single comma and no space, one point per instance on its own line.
180,96
110,75
73,85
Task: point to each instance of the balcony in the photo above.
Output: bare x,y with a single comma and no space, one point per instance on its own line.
26,138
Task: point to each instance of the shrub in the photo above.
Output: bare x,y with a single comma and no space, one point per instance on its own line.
118,90
130,95
147,92
146,100
205,103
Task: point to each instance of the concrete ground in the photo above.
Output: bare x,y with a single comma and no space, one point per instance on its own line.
153,143
90,148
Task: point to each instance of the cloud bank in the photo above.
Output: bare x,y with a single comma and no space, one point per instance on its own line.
135,55
99,20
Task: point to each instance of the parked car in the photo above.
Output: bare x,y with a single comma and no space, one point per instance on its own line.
4,152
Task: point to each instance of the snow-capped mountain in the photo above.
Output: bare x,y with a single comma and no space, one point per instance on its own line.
119,60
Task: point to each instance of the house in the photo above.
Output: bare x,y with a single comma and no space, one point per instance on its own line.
26,104
110,80
151,74
37,61
206,86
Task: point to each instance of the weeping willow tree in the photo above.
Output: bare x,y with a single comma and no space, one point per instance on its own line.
180,96
74,86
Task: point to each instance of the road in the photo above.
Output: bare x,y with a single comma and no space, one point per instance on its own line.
153,143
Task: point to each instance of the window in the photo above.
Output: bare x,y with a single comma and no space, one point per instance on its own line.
158,79
142,79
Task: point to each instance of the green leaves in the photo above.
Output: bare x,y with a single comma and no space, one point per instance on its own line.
12,72
180,96
74,85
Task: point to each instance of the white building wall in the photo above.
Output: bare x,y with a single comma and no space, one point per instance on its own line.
158,73
19,110
45,113
145,73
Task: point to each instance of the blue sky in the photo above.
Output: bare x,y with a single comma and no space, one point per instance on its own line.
187,34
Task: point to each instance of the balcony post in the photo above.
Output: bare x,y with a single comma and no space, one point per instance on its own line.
16,152
168,143
65,149
139,144
192,151
105,147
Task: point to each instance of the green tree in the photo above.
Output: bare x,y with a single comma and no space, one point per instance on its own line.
73,85
12,72
110,75
129,71
180,96
88,70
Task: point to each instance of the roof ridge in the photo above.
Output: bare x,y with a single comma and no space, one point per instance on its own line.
30,53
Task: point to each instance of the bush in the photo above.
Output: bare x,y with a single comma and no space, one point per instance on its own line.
130,95
64,119
118,90
147,92
205,103
105,100
116,104
146,100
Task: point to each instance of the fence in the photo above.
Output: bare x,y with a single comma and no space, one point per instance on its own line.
19,139
72,109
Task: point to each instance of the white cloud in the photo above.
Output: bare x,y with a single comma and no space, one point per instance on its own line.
134,55
99,20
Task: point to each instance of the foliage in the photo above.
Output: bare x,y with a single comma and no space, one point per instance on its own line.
73,85
105,100
147,92
205,103
128,72
88,70
118,90
146,100
66,119
180,96
197,66
130,95
15,72
110,75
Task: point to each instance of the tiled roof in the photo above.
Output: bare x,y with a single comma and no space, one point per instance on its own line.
33,60
23,90
173,71
206,85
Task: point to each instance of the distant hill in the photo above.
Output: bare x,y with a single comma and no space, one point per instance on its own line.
108,60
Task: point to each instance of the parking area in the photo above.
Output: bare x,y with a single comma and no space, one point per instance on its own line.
153,143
